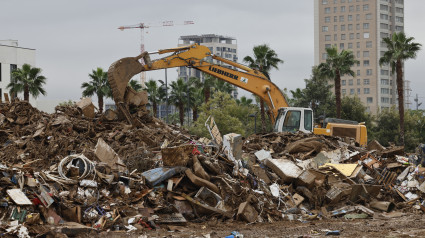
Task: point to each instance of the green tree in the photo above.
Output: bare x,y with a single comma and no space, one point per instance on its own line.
400,48
178,96
225,112
244,101
265,59
134,84
336,66
207,84
98,85
386,129
28,80
223,86
353,109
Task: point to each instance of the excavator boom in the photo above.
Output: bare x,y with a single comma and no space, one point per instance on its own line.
199,57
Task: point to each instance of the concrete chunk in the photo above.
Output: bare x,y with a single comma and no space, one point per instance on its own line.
285,169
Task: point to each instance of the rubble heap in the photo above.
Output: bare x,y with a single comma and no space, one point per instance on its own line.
77,172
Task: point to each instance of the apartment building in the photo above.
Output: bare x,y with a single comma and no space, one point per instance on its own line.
360,26
223,46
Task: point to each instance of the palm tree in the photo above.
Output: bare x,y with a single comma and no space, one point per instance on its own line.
336,66
28,80
244,101
223,86
400,48
265,59
207,84
196,99
178,96
155,95
98,85
134,84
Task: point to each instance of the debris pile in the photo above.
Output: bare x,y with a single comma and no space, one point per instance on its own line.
82,173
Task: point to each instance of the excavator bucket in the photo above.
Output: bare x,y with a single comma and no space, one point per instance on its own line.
119,74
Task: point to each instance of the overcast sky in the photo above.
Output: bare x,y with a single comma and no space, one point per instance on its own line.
74,37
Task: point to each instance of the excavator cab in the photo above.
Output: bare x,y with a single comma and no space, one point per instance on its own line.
293,119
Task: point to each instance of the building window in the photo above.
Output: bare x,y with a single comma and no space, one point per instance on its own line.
399,10
366,82
335,27
324,2
384,72
365,53
335,9
383,7
341,46
365,62
369,99
366,91
358,81
358,72
398,28
366,7
385,100
327,10
368,44
352,91
350,18
327,37
351,36
342,36
366,35
350,82
13,67
344,91
399,19
327,19
369,16
384,16
324,28
350,27
343,9
335,37
341,18
368,71
358,91
324,56
365,25
351,9
385,91
327,46
350,45
384,26
358,54
358,8
357,17
342,27
343,82
335,18
385,82
358,46
357,26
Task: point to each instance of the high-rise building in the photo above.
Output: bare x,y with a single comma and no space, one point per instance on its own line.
360,26
219,45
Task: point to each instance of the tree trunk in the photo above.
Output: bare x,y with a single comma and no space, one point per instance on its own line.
207,94
155,109
263,116
195,114
400,91
100,103
181,113
26,93
338,94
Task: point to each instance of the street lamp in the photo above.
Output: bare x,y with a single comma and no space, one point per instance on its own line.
255,121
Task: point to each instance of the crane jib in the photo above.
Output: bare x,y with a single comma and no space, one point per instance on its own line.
224,73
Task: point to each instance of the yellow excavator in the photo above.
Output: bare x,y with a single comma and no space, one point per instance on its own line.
196,56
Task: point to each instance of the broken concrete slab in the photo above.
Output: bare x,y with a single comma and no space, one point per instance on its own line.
285,169
86,106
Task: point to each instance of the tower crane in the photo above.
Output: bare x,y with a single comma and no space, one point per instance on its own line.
142,27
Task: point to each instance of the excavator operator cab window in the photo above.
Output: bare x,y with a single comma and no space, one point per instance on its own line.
292,121
308,120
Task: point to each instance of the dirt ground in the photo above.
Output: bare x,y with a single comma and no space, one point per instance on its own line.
399,225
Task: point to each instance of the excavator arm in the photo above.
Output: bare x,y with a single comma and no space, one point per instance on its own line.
198,57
